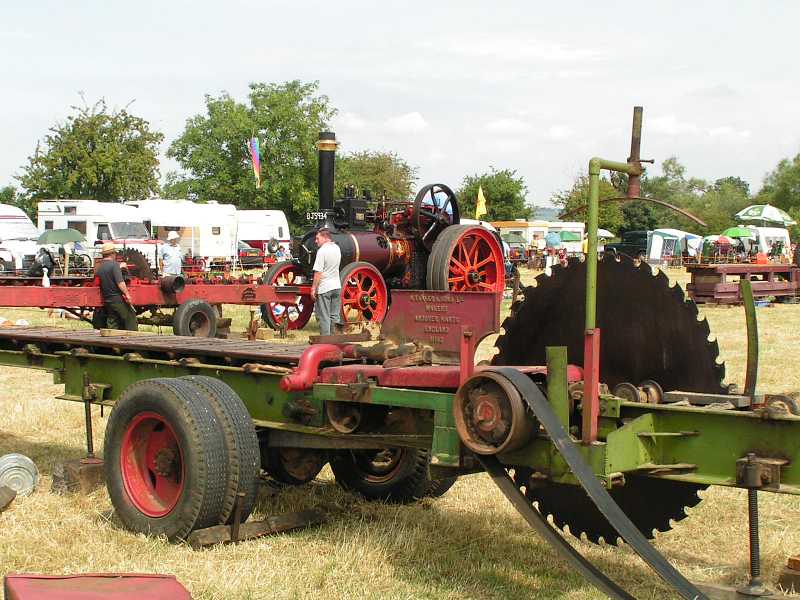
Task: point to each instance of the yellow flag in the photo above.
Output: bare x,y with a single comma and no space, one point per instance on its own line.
480,208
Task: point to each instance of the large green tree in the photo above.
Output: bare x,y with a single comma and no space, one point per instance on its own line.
97,154
8,194
505,194
782,189
610,215
379,172
212,150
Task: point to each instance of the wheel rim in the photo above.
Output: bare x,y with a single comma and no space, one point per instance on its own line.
295,313
378,466
151,463
364,295
475,264
199,324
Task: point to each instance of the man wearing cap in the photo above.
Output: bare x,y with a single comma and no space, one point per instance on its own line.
116,298
326,287
171,255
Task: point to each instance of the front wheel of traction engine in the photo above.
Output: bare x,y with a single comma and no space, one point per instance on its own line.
399,475
165,459
365,296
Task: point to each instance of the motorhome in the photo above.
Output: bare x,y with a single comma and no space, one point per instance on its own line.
18,237
207,229
258,227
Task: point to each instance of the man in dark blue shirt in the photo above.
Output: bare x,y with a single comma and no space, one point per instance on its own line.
116,298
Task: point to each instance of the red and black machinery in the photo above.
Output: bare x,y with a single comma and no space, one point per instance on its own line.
387,245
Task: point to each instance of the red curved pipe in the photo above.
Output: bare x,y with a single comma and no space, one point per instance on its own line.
307,371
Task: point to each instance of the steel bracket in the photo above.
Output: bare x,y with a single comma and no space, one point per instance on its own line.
759,472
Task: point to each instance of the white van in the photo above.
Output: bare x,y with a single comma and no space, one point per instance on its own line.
207,230
18,237
258,227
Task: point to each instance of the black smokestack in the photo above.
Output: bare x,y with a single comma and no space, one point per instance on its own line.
327,159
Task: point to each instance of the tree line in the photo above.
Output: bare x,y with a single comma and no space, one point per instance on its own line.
112,155
714,202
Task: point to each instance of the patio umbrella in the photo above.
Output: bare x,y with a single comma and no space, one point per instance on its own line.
569,236
552,240
604,234
722,240
739,232
61,236
765,213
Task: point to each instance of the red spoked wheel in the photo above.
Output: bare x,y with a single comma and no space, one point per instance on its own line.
297,313
365,296
466,258
151,462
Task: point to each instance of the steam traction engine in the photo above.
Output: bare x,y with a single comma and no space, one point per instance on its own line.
387,245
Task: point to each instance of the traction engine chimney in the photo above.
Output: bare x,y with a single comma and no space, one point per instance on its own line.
327,157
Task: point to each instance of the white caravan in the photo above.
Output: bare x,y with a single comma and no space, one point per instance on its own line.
207,230
767,236
18,237
258,227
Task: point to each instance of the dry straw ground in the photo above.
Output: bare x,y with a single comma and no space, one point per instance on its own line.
468,544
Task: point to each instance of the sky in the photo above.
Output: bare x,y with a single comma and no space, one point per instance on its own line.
453,87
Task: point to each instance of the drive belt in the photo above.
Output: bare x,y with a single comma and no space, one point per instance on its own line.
538,404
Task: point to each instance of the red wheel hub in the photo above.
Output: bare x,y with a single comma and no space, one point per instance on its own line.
475,263
296,313
364,295
151,463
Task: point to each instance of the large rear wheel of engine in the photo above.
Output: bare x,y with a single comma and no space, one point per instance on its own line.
241,444
398,475
466,258
297,313
195,318
365,296
165,459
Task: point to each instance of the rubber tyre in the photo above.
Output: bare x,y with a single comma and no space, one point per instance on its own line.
200,437
192,309
276,468
3,266
409,482
241,444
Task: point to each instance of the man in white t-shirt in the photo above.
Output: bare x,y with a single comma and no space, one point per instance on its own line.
171,255
326,287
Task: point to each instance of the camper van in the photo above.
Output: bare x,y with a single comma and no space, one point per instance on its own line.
207,230
258,227
18,237
99,222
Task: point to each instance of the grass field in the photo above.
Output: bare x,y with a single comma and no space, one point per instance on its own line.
468,544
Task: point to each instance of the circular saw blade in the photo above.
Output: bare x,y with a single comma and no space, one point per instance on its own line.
651,504
648,330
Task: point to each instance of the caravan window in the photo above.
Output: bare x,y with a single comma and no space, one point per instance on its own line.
70,210
103,232
48,225
216,230
280,232
77,226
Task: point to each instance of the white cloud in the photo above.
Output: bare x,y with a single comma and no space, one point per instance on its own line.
350,121
506,126
412,122
671,125
521,49
19,35
559,132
